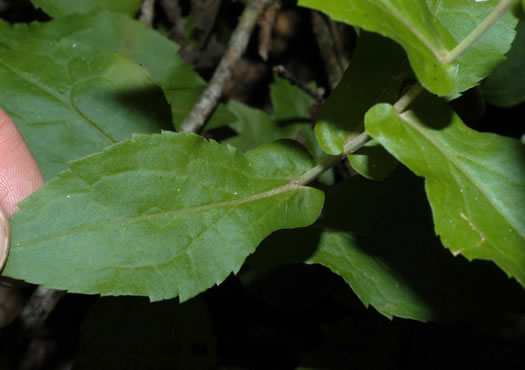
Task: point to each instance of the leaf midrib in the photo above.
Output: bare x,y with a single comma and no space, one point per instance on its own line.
406,117
85,228
414,30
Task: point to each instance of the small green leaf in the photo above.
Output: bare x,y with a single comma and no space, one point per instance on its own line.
475,182
70,100
130,38
290,102
429,31
161,216
256,127
505,87
62,8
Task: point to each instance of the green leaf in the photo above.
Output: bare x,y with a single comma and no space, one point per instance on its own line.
62,8
376,74
400,268
505,87
429,31
161,216
130,38
132,333
256,127
475,182
70,100
290,102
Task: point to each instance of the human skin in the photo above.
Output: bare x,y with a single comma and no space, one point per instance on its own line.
19,177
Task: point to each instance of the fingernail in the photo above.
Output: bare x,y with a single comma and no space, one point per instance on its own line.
5,237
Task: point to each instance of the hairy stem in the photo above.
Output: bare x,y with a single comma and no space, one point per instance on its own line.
209,99
479,31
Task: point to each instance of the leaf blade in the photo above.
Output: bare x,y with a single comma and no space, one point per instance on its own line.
188,229
468,175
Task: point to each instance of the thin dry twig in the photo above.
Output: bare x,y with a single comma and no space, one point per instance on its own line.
318,94
328,47
236,47
147,12
39,306
267,22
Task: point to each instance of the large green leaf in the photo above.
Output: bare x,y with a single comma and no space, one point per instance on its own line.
475,182
376,74
70,100
428,31
400,268
62,8
162,216
505,87
130,38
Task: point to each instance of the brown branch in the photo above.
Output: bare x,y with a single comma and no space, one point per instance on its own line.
39,306
318,94
266,23
202,110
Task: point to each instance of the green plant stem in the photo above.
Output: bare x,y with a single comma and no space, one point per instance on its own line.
479,31
354,143
330,161
408,97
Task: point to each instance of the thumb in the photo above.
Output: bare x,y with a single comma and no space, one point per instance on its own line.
19,177
5,237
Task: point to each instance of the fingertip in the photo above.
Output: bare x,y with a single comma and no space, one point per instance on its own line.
19,172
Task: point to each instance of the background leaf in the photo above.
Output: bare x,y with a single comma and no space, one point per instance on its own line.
505,87
475,182
400,268
70,100
62,8
162,216
130,38
428,31
290,102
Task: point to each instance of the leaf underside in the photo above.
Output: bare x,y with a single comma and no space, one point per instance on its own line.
161,216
